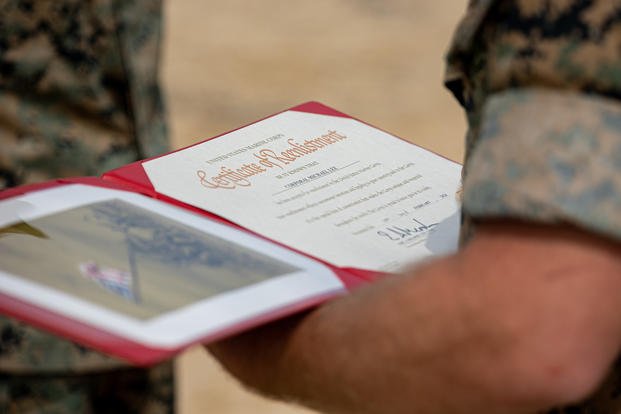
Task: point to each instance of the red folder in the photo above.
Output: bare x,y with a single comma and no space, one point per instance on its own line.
132,178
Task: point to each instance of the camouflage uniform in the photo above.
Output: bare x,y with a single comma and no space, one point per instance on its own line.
78,96
541,81
78,86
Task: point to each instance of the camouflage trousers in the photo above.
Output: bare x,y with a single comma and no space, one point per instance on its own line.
123,390
42,373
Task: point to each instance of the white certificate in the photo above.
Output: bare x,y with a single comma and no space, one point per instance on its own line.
332,187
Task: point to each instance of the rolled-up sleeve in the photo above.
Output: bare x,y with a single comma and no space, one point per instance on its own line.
548,156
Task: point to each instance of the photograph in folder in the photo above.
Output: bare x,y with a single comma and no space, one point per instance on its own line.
144,270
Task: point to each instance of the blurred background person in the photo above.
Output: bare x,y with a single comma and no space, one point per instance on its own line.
79,95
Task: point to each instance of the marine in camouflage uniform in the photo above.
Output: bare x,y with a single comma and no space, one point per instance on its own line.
78,96
541,81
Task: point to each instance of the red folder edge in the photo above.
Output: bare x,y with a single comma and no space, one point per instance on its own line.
134,352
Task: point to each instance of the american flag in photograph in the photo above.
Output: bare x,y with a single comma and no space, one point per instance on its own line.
117,281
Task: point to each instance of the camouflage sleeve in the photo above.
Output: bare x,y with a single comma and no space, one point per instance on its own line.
548,156
540,81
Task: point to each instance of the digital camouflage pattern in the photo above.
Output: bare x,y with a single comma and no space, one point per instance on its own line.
78,87
127,390
540,81
79,95
562,164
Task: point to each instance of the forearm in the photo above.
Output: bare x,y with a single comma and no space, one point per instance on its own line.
452,336
358,354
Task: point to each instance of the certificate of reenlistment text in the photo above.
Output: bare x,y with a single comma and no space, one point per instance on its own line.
329,186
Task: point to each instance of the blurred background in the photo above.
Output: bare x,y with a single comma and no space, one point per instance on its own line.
229,63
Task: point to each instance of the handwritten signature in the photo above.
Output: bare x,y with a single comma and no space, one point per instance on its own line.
397,233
